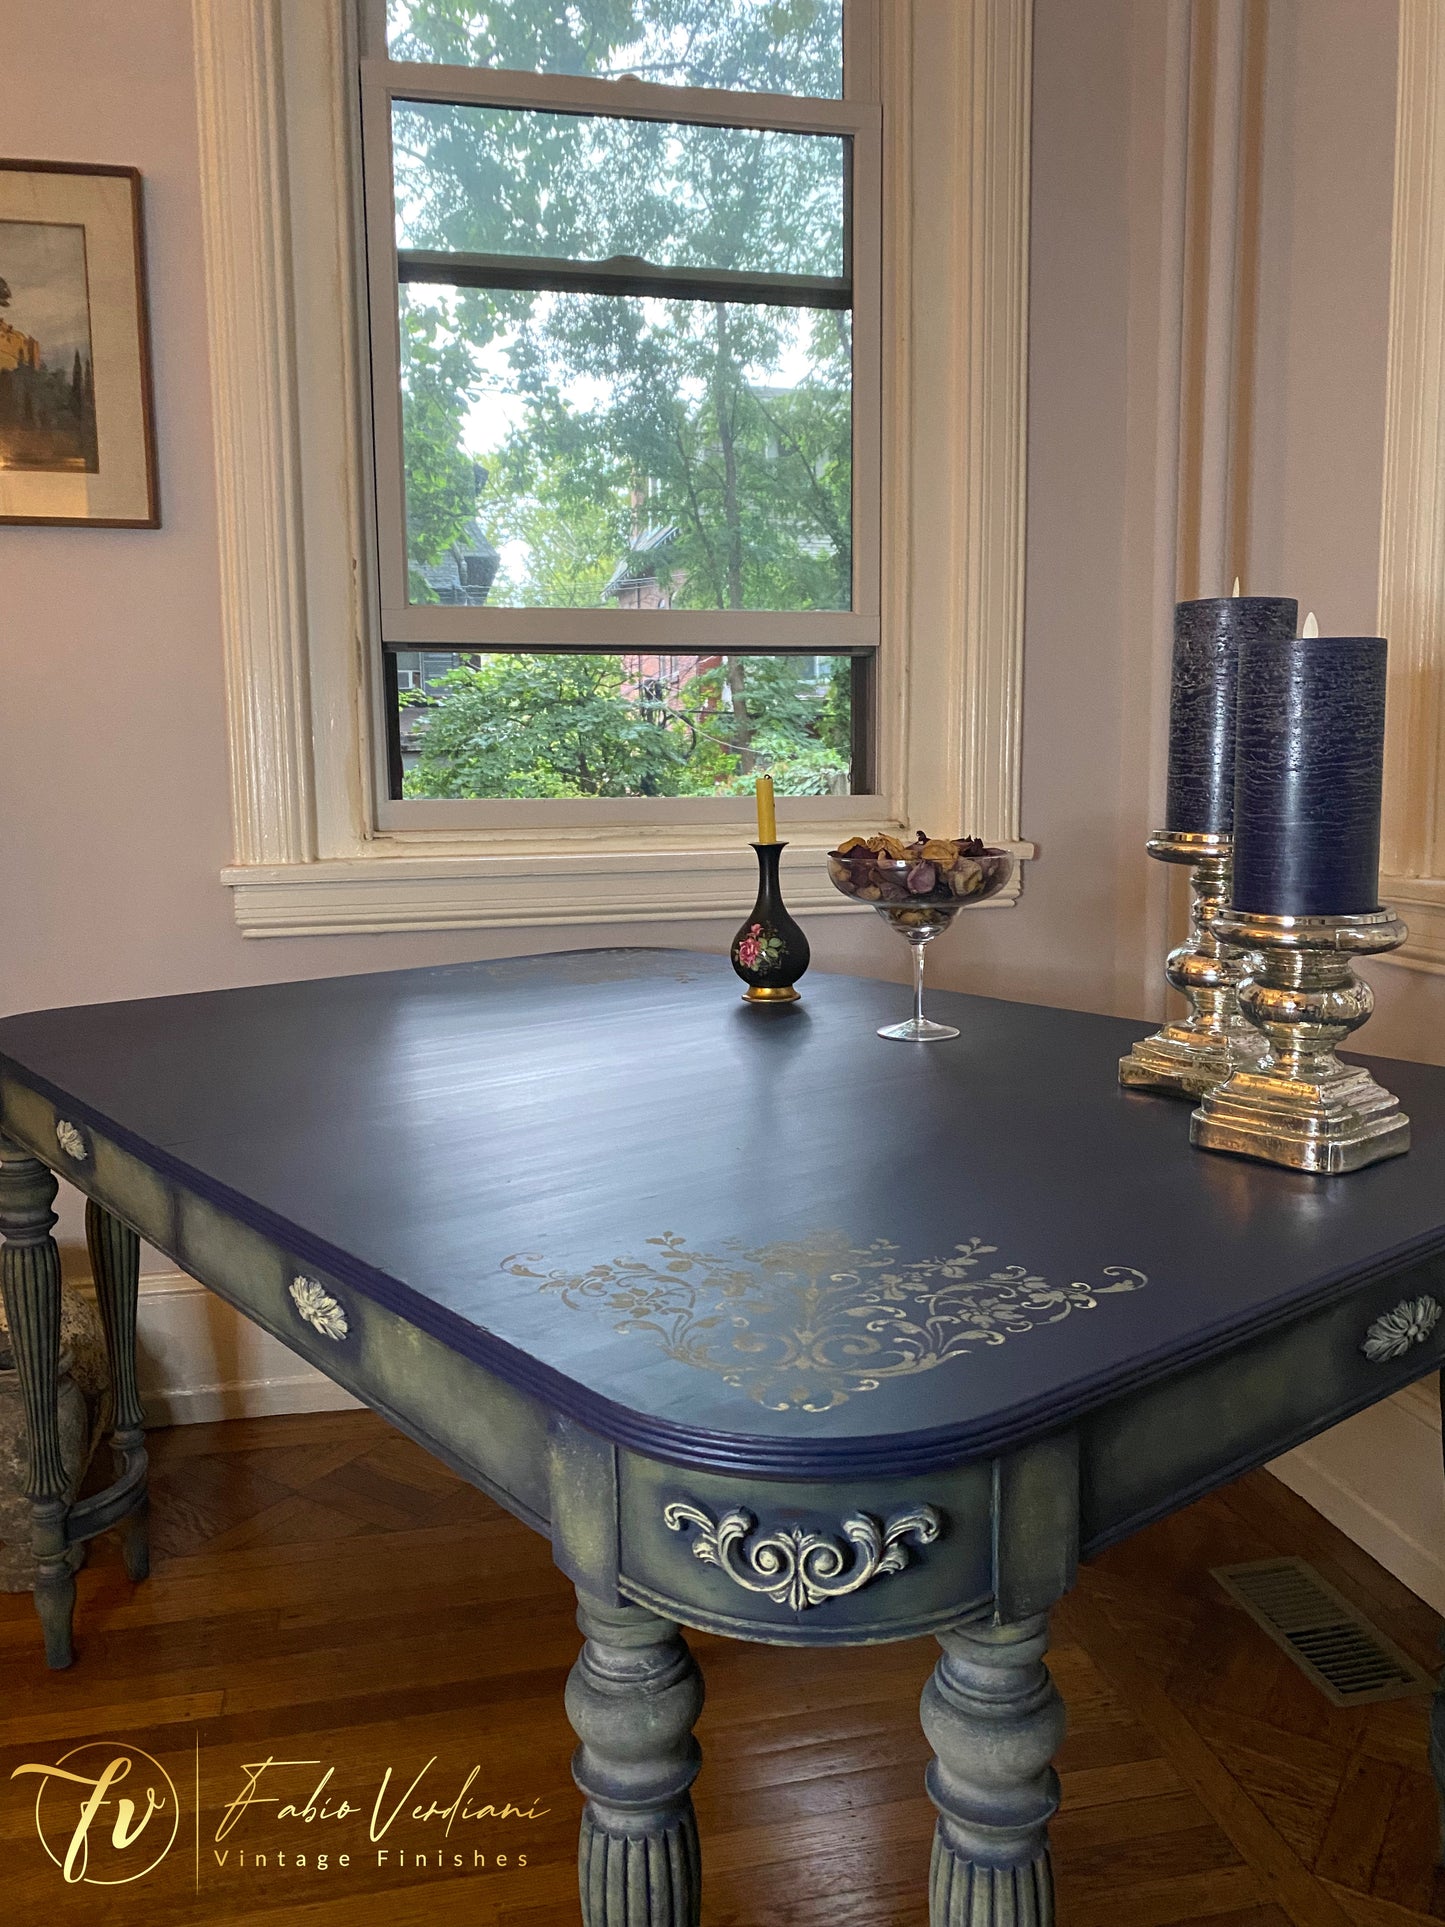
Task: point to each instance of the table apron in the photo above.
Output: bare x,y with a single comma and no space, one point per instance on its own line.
851,1561
1150,1452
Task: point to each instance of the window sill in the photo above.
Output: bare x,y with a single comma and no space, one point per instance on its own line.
406,891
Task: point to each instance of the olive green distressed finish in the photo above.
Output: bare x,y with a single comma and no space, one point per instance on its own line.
633,1698
583,1507
30,1277
1437,1710
115,1267
995,1722
30,1270
1007,1536
1154,1451
936,1581
1035,1526
106,1169
494,1435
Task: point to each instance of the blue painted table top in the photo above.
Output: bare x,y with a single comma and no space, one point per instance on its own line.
730,1234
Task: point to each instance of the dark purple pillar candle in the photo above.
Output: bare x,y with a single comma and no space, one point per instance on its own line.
1311,756
1208,635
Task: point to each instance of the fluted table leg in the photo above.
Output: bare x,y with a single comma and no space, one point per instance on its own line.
1437,1729
995,1721
115,1267
30,1278
632,1699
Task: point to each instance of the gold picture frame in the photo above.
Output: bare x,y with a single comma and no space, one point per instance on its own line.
77,436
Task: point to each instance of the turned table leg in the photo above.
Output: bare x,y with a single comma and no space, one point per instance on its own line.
115,1267
1437,1722
30,1277
994,1721
632,1698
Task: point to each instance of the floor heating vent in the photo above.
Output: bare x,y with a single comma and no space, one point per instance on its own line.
1331,1641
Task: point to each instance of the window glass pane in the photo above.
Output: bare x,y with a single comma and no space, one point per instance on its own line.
760,46
494,180
538,725
576,451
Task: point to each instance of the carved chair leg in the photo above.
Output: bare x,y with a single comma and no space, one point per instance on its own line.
994,1720
115,1267
30,1278
632,1699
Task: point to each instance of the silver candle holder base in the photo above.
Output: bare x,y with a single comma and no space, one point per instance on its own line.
1185,1059
1299,1105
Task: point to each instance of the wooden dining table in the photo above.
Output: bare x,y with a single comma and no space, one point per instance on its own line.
774,1327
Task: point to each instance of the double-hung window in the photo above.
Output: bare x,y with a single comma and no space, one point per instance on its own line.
623,277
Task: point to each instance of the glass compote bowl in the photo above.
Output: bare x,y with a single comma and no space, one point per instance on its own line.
920,894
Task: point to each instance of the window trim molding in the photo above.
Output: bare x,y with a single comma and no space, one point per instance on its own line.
277,164
1412,537
258,483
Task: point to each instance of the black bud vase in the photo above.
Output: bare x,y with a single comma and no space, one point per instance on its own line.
770,952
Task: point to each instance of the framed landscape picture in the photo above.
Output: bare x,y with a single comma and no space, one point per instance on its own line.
76,437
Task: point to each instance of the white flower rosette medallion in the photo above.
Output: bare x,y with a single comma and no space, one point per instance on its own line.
1400,1330
319,1308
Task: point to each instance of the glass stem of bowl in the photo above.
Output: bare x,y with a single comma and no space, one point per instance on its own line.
916,944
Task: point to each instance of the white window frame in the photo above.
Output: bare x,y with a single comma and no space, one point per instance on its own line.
316,847
856,118
1412,537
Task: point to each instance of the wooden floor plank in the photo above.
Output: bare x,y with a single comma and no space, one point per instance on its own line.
1355,1828
1405,1872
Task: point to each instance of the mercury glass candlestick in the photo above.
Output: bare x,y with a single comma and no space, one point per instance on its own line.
1299,1105
1183,1059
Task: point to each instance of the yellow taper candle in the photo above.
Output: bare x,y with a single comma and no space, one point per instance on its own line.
767,816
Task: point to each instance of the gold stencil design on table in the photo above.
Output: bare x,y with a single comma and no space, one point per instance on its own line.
809,1324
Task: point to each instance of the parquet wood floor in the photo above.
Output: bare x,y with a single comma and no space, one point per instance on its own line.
325,1592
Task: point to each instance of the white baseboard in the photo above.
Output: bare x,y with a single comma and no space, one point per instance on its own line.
198,1360
1378,1478
245,1398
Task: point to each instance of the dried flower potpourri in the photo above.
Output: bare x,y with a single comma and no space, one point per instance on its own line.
930,869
